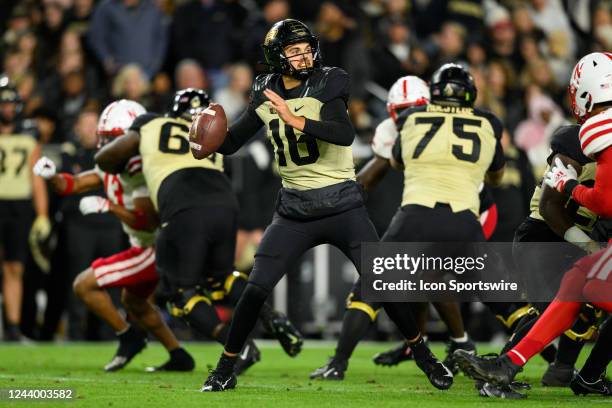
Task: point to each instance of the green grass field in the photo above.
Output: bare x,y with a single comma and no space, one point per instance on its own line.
276,381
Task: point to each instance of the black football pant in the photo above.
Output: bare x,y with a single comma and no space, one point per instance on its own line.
284,241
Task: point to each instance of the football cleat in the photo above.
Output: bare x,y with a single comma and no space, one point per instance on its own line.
489,390
132,342
180,360
558,375
394,356
437,373
289,337
218,381
333,370
453,346
603,386
492,369
248,356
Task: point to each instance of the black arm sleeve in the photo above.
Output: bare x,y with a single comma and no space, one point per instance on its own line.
499,160
396,151
240,132
334,127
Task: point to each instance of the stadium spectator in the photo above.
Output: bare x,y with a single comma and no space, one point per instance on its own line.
257,27
189,74
129,31
235,97
131,83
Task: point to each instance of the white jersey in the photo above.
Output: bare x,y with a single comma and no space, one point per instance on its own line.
384,138
596,133
122,189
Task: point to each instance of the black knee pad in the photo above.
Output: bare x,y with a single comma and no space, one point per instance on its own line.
184,300
234,285
354,302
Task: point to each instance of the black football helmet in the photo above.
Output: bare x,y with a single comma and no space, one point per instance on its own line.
9,95
282,34
452,85
188,102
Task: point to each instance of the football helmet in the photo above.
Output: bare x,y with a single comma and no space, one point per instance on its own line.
406,92
590,84
116,119
452,85
9,95
282,34
188,102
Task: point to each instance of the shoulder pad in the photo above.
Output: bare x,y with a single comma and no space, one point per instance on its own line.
496,124
403,116
143,119
328,83
596,133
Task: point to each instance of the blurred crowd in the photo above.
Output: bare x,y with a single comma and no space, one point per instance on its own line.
69,58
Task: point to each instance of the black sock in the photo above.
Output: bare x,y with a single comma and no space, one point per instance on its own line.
203,318
226,364
401,314
600,356
245,317
355,325
420,349
569,350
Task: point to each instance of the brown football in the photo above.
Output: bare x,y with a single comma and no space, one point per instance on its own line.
207,131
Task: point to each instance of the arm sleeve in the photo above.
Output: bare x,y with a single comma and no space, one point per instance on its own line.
335,125
240,132
499,160
598,198
396,152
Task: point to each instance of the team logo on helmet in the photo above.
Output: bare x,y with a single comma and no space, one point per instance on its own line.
270,36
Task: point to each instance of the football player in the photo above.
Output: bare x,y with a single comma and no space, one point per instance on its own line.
303,107
132,270
406,92
197,210
21,190
589,279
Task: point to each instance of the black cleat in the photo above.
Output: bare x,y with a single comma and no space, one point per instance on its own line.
497,370
558,375
394,356
603,386
248,356
217,381
132,342
489,390
333,370
453,346
437,373
180,360
289,337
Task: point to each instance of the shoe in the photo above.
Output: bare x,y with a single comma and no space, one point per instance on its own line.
218,381
132,342
180,360
12,333
248,356
492,369
333,370
558,375
394,356
603,386
453,346
289,337
437,373
497,391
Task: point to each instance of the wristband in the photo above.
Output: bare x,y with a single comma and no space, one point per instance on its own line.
569,186
69,183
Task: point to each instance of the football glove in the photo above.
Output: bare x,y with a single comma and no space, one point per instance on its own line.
38,240
41,228
559,175
45,168
94,205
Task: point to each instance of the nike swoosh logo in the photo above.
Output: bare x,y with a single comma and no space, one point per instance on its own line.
293,339
245,352
297,109
225,383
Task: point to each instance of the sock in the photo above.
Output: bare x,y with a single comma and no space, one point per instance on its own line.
460,339
557,318
420,349
549,353
569,349
600,356
226,364
401,314
355,325
121,332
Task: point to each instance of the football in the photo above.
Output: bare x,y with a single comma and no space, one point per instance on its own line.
207,131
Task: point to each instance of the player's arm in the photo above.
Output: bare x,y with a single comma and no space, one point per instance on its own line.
241,131
143,217
371,174
113,157
66,183
396,160
39,190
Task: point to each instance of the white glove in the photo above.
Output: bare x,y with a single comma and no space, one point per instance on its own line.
45,168
579,238
559,174
384,138
94,205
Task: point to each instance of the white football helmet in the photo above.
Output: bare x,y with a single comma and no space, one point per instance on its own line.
406,92
591,83
117,118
